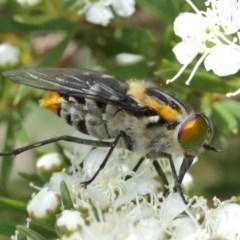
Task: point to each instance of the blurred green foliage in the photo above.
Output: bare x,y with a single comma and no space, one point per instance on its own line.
148,33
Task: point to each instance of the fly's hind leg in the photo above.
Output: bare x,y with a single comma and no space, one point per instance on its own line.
66,138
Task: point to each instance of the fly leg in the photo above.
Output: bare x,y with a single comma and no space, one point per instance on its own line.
162,175
136,167
65,138
104,162
186,164
177,183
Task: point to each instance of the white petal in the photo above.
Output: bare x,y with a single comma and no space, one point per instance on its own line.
56,179
49,161
227,218
70,220
225,13
187,181
93,160
183,227
43,204
189,25
9,54
185,52
123,59
148,228
124,8
99,14
223,60
236,18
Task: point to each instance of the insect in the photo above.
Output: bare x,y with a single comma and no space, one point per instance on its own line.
147,120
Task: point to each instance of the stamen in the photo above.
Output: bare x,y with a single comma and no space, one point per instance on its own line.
229,42
193,6
233,93
178,74
196,67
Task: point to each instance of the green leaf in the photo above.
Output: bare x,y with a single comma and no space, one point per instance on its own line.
66,198
124,39
137,39
233,106
227,117
7,162
31,177
13,204
14,131
23,92
45,227
225,122
7,228
138,70
31,234
10,25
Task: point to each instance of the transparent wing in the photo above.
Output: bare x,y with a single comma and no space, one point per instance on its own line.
80,83
72,82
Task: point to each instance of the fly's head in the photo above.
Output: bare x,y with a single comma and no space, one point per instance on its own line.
195,133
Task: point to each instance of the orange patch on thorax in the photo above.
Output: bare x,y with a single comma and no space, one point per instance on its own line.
138,92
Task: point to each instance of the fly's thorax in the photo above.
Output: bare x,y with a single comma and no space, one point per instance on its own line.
148,135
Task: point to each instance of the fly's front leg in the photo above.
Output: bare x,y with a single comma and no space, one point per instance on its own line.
186,164
104,162
177,183
162,175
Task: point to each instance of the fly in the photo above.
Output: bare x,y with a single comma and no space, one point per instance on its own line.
146,120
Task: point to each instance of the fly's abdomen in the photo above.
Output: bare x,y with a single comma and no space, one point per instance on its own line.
86,115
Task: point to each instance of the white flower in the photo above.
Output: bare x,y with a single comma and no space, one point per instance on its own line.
110,185
100,12
28,2
124,59
44,204
49,161
213,34
48,164
69,221
113,207
9,54
124,8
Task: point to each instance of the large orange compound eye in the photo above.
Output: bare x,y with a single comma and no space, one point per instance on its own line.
195,130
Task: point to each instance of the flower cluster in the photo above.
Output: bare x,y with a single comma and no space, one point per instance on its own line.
122,204
213,34
100,12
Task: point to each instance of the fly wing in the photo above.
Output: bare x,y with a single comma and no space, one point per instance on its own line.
80,83
73,82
